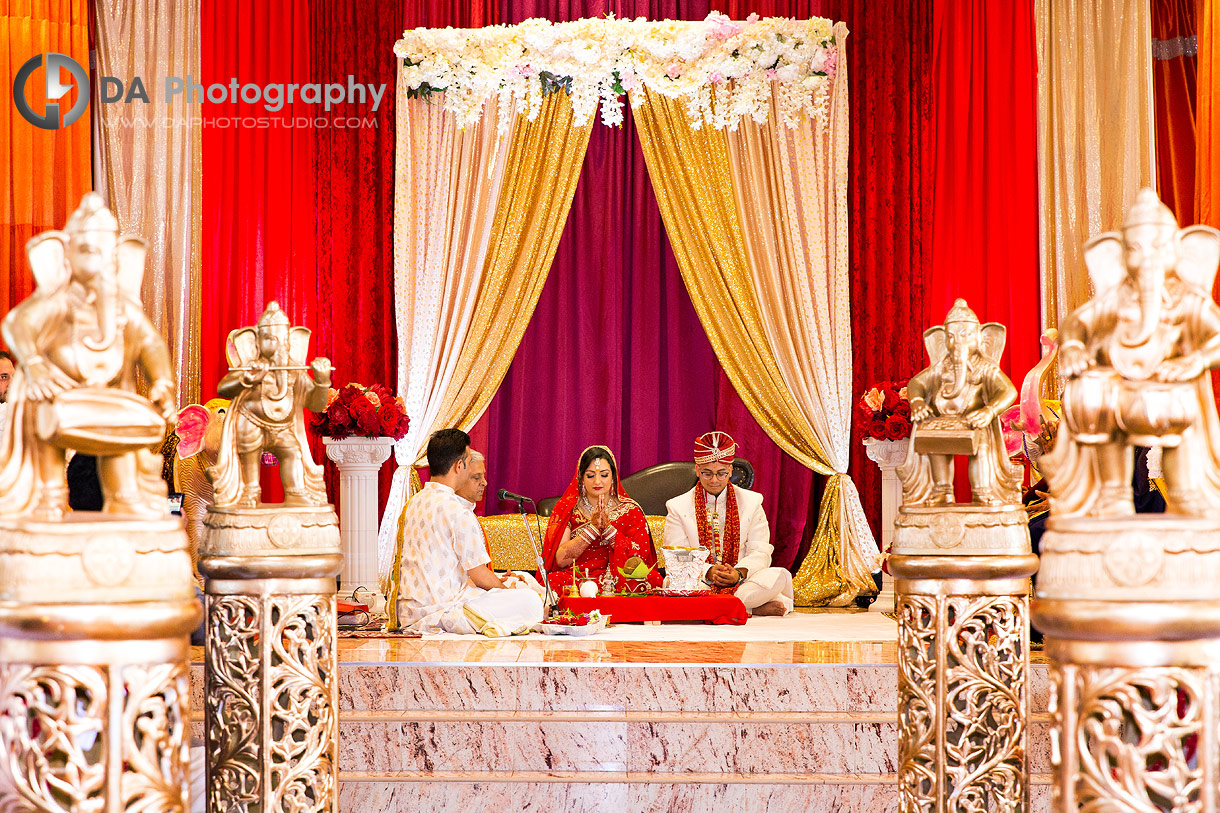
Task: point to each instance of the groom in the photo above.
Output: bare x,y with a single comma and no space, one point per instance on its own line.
730,522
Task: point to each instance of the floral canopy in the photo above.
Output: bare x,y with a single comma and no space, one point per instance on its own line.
722,69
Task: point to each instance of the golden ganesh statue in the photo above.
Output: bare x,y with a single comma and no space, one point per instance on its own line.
1136,358
96,608
79,341
961,579
956,403
1130,604
270,691
268,388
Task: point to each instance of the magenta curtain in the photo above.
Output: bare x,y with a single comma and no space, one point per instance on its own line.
615,353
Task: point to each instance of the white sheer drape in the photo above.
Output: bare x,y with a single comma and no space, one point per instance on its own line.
447,187
791,188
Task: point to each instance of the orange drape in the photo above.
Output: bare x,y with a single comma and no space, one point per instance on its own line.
1207,124
43,173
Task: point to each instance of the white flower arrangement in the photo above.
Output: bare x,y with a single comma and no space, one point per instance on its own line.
723,69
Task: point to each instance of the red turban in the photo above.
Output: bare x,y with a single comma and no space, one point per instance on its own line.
715,447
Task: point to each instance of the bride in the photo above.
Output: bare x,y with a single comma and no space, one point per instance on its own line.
596,526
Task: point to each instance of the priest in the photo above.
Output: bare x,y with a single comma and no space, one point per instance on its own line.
730,522
447,584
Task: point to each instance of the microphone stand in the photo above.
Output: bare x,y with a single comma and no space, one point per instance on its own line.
550,598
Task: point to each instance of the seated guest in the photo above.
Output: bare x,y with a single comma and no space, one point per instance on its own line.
596,526
730,522
447,584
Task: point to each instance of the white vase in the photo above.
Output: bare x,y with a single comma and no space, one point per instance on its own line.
888,455
359,461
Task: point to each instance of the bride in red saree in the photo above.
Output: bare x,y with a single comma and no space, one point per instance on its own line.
596,526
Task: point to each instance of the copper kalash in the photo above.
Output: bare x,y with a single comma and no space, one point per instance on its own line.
95,608
961,575
1130,604
271,702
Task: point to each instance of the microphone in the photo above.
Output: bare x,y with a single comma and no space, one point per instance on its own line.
505,494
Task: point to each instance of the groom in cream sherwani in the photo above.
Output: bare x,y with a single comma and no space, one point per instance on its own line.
730,522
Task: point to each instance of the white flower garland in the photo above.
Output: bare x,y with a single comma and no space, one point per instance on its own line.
722,69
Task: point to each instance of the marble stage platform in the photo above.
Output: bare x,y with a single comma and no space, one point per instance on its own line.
590,725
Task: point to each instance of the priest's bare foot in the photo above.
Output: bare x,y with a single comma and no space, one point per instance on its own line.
770,608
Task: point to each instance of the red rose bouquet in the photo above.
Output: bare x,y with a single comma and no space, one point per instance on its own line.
884,413
364,412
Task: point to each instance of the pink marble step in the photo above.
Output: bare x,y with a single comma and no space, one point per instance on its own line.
530,793
613,687
627,736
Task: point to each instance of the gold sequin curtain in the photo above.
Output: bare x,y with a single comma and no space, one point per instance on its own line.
149,157
690,173
1095,133
694,183
447,183
790,185
542,165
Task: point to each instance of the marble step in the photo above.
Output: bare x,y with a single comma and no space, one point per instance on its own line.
635,795
616,724
626,687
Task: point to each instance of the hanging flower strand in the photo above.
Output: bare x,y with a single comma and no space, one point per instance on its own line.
722,69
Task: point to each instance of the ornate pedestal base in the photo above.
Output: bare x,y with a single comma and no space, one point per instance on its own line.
94,695
270,697
963,660
1131,613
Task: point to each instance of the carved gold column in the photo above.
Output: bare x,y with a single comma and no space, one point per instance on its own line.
1131,612
961,575
94,694
270,690
1130,604
270,685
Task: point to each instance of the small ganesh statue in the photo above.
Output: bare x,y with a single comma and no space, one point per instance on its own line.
80,341
956,404
1136,357
269,388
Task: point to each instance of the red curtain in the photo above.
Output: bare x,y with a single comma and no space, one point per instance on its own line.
298,204
353,166
258,182
890,171
1174,71
985,180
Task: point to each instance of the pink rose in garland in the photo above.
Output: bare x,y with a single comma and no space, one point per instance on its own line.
355,410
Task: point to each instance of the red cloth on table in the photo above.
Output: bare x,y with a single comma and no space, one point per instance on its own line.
713,609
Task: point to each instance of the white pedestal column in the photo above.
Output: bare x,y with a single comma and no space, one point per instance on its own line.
359,461
888,455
